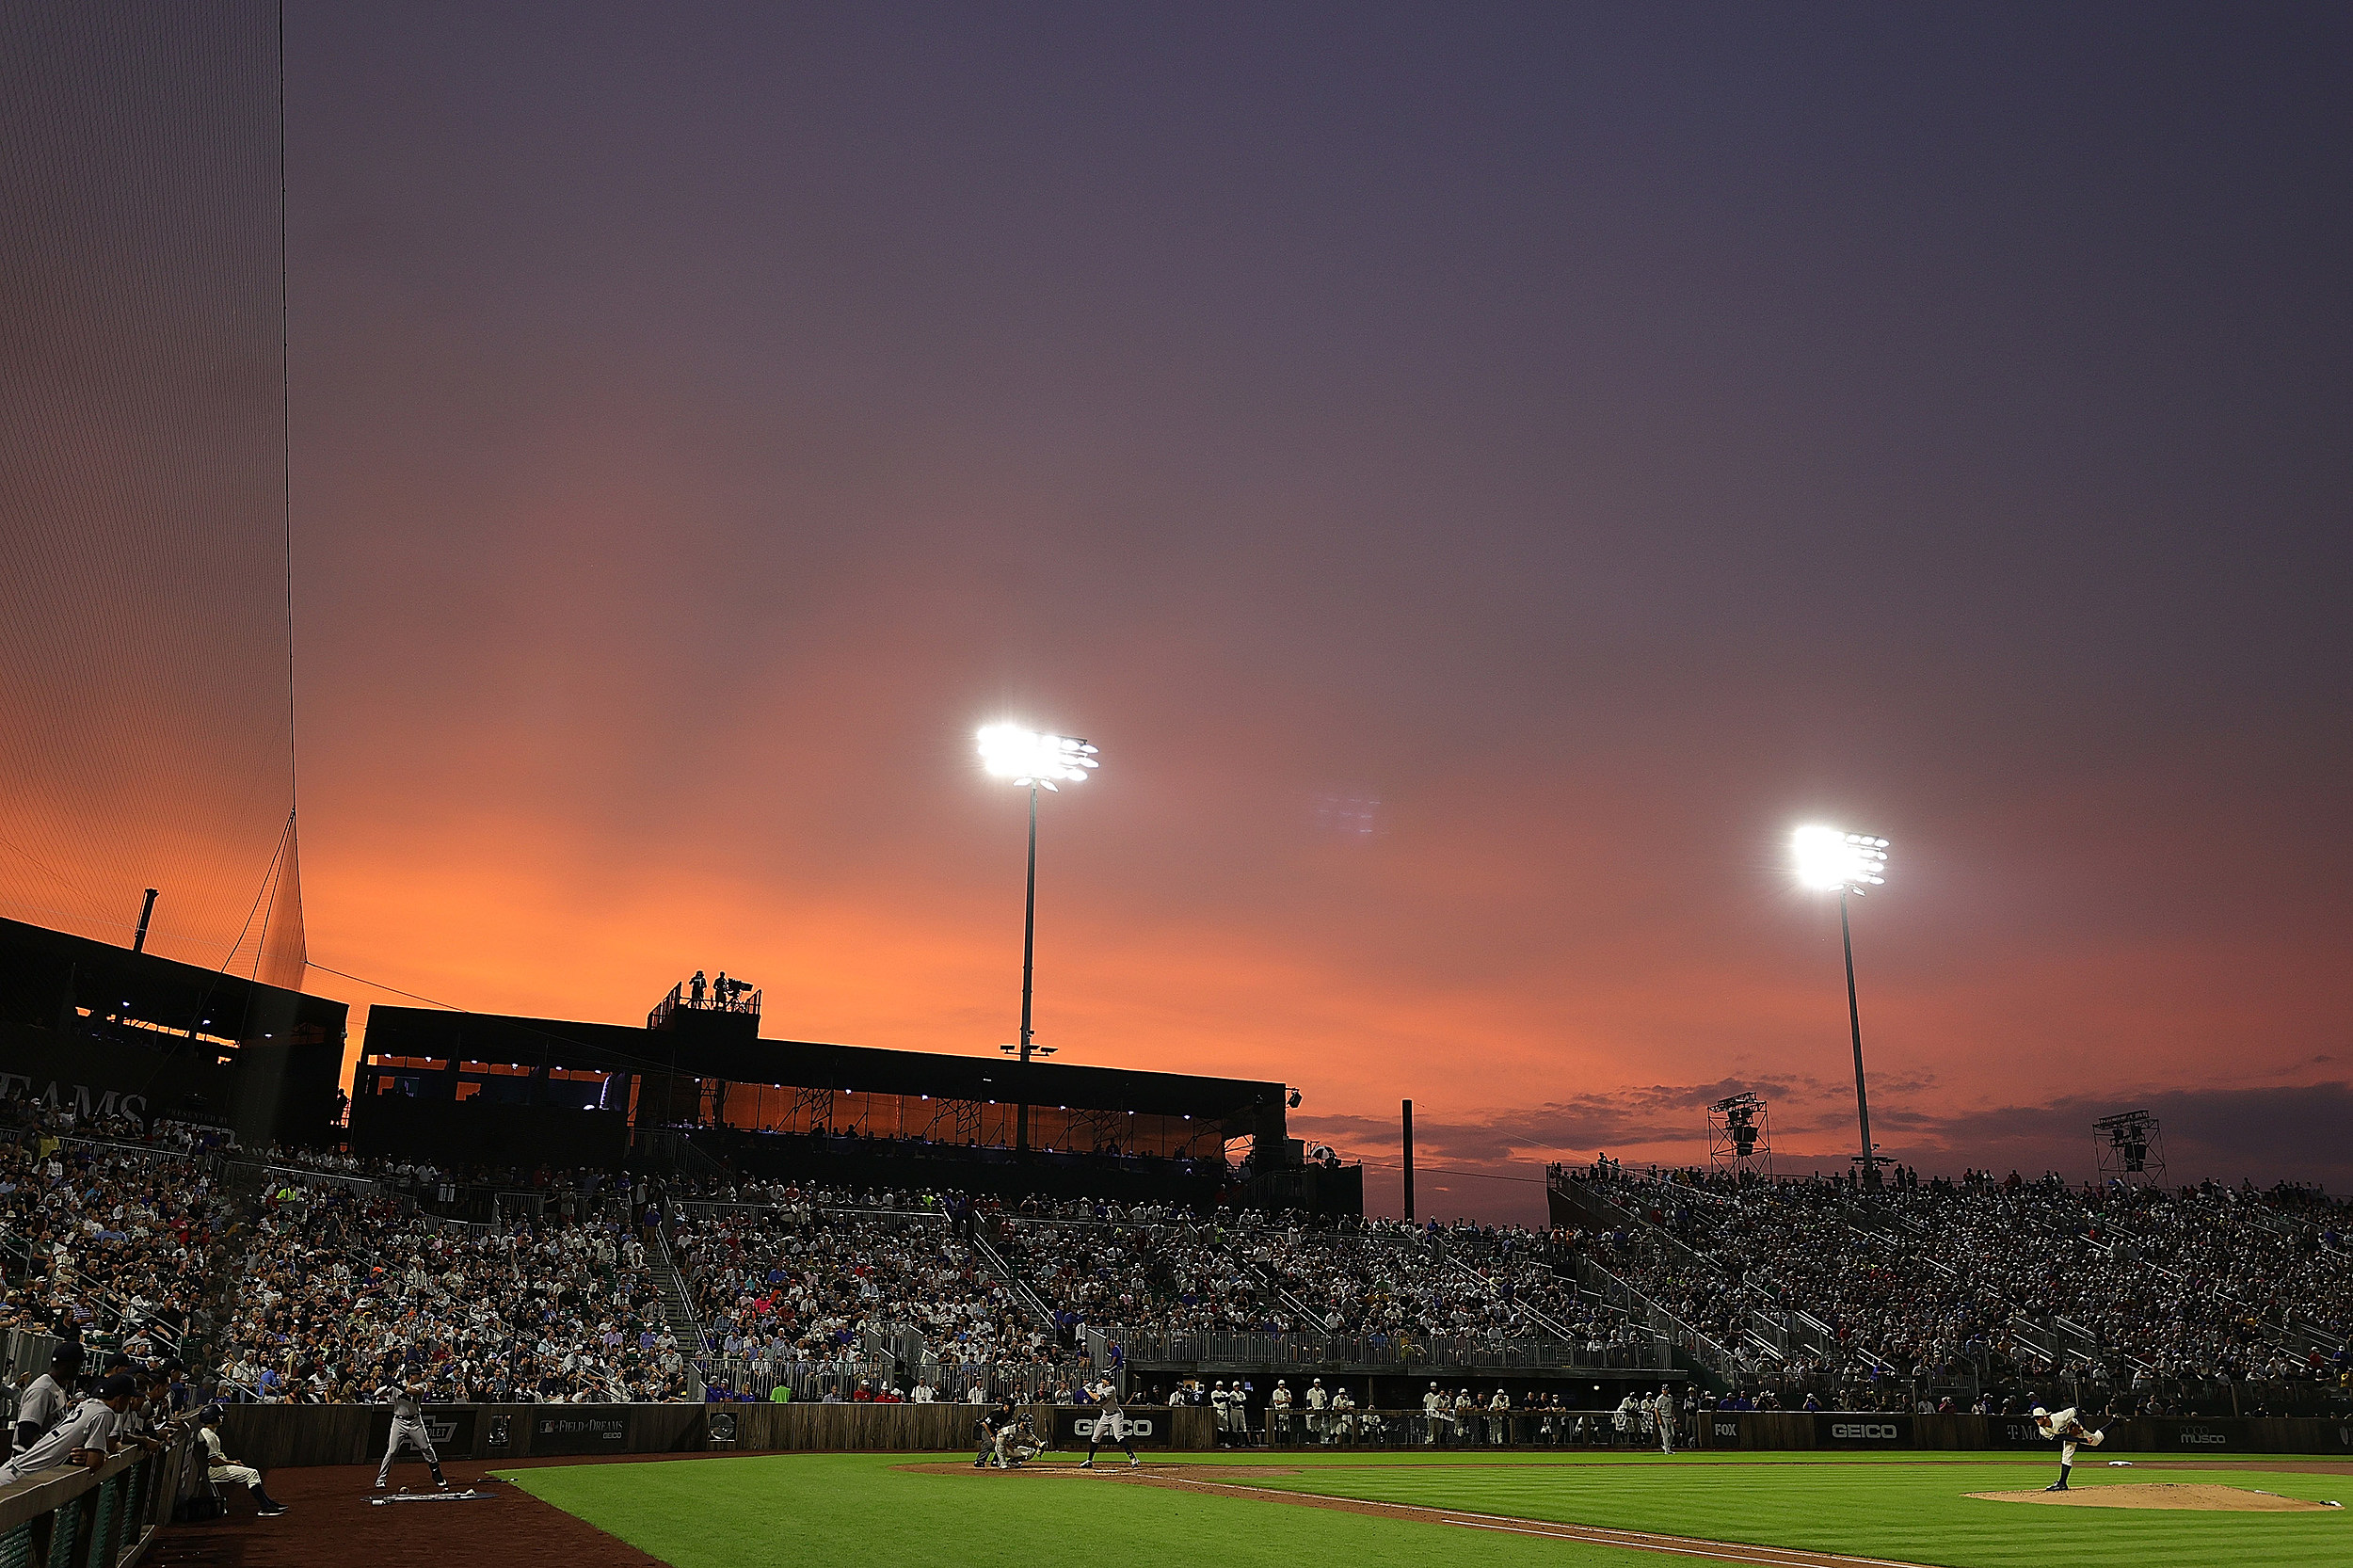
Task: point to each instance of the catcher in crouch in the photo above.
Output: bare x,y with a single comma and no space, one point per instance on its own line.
2068,1430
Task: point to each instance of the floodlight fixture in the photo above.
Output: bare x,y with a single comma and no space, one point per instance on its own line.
1030,758
1831,861
1035,762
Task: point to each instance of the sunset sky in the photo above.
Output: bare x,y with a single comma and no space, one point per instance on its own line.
1482,474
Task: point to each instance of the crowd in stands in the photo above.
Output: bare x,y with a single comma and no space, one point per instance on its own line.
100,1241
2006,1278
341,1275
806,1280
344,1292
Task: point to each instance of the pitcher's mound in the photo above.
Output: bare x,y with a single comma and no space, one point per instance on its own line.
2199,1495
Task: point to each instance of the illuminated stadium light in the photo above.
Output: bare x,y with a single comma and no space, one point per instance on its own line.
1035,762
1829,861
1028,758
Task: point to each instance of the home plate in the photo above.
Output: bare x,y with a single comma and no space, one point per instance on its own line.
466,1496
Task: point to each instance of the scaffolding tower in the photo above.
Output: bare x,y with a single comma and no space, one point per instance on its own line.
2129,1145
1740,1135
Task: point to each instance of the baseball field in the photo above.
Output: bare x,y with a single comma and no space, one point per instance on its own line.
1364,1509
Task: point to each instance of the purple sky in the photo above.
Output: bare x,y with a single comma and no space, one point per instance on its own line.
1483,475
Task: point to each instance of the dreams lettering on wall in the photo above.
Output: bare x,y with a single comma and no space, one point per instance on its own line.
106,1102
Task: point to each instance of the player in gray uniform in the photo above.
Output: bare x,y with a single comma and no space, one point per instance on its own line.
82,1438
407,1400
1110,1422
47,1399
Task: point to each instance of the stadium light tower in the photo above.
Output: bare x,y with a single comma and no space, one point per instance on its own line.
1829,860
1038,762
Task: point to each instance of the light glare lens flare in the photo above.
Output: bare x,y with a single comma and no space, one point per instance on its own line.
1026,757
1831,860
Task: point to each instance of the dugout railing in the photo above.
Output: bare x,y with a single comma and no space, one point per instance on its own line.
1318,1353
104,1516
1477,1428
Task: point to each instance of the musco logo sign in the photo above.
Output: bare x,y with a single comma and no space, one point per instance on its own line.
1862,1431
2204,1436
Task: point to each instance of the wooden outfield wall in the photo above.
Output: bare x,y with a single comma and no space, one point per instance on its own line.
274,1436
2260,1434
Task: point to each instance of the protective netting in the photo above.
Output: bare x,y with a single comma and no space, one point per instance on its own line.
146,723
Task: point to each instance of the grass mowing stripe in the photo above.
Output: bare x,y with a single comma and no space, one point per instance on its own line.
1914,1512
858,1508
793,1509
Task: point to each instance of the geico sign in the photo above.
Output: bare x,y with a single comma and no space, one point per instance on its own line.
1136,1426
1876,1432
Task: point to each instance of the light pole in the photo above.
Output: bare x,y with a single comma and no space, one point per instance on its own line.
1036,762
1849,862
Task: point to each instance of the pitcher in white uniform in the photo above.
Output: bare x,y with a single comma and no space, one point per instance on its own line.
2068,1428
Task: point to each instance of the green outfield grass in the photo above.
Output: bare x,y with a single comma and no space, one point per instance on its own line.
860,1508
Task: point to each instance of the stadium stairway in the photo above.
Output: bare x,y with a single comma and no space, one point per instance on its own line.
1273,1282
677,1310
1011,1278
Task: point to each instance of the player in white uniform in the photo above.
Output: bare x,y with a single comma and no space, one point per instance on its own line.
1438,1416
1278,1405
407,1401
2065,1426
1110,1421
221,1469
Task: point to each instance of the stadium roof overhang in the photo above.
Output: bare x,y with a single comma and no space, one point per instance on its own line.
808,1064
43,971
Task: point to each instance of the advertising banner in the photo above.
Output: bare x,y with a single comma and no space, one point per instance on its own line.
2015,1431
580,1434
1147,1426
450,1426
2221,1435
1861,1430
